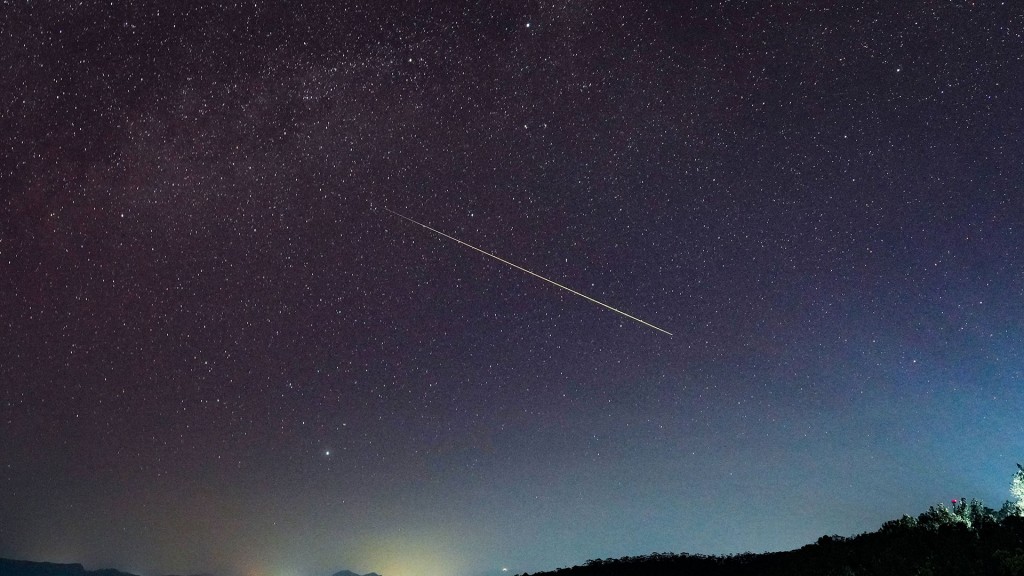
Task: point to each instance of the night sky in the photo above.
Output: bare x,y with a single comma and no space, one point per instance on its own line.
221,352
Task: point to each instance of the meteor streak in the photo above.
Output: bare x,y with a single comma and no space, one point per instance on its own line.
520,268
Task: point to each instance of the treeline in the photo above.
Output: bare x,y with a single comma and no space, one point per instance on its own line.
965,540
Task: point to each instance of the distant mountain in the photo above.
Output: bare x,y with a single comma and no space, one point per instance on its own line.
26,568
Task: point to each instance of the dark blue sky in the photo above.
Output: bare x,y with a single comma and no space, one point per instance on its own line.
221,355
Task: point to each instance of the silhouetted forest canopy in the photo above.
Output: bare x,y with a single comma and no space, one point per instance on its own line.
966,539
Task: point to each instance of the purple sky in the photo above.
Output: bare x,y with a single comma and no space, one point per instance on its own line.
218,353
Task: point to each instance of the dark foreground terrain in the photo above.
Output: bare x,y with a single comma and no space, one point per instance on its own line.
965,541
26,568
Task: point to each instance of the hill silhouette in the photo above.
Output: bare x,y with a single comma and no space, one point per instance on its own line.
26,568
967,540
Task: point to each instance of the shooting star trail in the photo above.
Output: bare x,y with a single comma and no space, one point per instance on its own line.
549,281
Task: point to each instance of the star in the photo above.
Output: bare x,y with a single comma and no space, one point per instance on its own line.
200,280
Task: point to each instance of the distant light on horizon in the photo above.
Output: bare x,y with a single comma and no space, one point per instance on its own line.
205,298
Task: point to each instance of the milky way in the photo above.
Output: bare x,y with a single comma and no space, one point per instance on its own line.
214,357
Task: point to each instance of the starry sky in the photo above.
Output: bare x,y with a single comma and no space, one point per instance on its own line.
222,353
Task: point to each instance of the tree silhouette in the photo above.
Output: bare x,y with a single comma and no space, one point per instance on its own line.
967,539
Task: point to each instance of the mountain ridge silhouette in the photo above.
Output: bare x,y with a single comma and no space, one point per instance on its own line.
12,567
